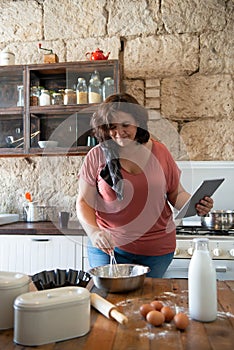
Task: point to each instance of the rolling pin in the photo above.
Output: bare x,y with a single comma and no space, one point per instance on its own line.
107,309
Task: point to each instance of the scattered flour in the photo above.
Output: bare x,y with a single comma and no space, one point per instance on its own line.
130,307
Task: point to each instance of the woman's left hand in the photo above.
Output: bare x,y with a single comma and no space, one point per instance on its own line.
204,206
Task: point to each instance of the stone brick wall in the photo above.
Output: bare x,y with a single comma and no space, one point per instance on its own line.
178,61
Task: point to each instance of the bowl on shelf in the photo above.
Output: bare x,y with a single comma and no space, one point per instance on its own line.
119,277
47,144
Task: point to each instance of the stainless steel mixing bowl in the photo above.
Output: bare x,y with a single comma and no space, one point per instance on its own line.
119,278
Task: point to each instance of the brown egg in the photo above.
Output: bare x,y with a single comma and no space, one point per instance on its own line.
156,318
168,313
181,320
157,304
145,308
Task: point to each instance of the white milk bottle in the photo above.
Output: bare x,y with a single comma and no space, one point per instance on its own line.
202,285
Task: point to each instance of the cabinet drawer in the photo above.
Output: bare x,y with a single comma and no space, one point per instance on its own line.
31,254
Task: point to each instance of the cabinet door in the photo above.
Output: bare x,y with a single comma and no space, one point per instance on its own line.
78,242
85,261
51,252
32,254
15,253
12,94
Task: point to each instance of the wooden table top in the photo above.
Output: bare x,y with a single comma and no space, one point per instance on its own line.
107,334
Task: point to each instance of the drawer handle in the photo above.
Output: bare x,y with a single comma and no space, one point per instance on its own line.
40,239
221,269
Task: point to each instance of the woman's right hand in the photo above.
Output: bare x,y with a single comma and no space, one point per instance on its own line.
102,240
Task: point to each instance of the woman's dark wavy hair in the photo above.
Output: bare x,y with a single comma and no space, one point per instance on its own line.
102,118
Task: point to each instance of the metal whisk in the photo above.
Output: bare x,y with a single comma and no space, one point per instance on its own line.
114,271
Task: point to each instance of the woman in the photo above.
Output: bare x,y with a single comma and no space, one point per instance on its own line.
125,186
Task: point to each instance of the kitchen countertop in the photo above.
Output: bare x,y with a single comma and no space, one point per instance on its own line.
40,228
106,334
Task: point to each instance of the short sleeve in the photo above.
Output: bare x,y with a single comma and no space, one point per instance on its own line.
171,170
92,165
173,173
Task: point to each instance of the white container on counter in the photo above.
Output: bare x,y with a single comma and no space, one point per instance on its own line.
7,58
51,315
12,284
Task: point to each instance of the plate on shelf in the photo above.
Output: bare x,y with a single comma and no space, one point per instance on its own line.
47,144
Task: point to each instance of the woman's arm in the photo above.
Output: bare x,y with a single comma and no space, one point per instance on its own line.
85,209
180,196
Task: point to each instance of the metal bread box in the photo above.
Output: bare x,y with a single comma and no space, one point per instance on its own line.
51,315
12,284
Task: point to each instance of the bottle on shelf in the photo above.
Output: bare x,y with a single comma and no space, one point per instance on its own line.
107,87
34,96
202,285
95,88
20,102
44,98
81,91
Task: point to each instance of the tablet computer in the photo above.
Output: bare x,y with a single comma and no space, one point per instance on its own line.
207,188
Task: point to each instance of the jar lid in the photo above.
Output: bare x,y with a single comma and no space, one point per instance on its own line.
81,79
69,90
52,298
9,280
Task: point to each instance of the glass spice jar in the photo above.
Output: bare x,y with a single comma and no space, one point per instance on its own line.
34,96
69,97
107,87
57,98
81,91
45,98
95,88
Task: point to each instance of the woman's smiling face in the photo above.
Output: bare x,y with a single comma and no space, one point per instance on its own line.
123,128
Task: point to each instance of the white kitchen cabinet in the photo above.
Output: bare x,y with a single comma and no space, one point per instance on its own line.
85,261
34,253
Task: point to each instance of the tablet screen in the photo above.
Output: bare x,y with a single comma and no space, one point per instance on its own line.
207,188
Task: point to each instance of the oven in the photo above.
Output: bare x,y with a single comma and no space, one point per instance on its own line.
221,246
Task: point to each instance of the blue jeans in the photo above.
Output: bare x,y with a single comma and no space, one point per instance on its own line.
157,264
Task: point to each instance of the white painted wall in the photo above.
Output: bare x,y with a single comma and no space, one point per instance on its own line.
194,172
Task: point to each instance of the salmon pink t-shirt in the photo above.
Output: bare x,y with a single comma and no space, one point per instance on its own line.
141,223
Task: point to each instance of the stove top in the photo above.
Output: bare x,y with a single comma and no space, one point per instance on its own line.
202,231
